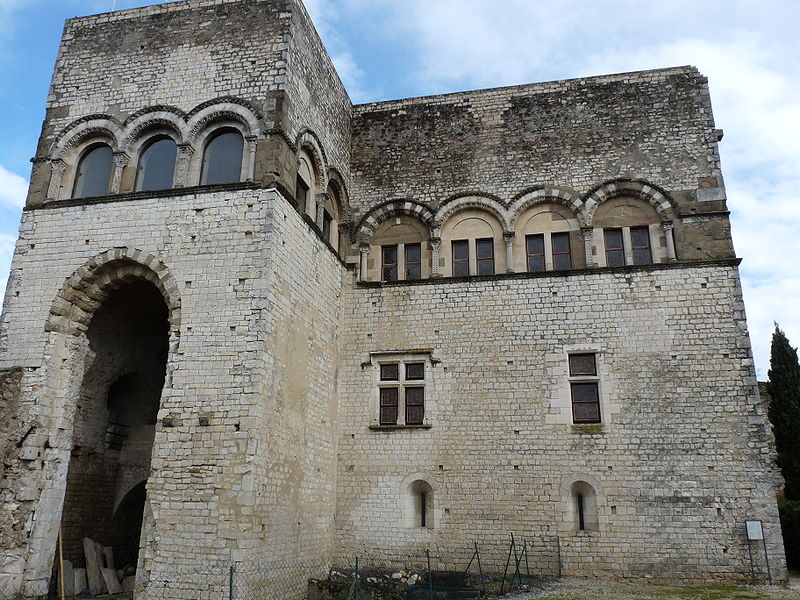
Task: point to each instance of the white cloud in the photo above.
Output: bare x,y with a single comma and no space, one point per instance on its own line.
13,189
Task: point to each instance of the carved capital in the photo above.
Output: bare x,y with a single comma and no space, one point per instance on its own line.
364,249
587,233
509,236
121,159
322,199
667,227
435,244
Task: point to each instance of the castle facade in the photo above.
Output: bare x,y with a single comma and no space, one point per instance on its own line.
249,322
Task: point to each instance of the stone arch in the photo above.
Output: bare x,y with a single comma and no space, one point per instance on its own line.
528,198
87,287
411,488
655,196
480,201
583,517
377,215
308,141
336,180
100,126
227,110
155,119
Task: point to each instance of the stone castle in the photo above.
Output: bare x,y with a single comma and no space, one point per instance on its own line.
249,322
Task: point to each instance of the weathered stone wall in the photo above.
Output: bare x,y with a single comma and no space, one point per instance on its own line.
242,438
574,135
678,394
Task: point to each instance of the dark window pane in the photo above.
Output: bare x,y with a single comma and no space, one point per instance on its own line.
300,194
390,372
484,249
415,406
461,250
460,258
535,244
222,160
640,244
415,371
615,255
94,172
561,251
327,219
389,263
413,261
389,411
582,364
157,166
585,403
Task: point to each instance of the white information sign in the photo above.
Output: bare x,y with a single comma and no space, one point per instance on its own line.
754,530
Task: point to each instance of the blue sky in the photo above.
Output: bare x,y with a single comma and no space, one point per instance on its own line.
389,49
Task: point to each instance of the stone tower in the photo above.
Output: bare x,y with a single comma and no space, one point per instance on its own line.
251,324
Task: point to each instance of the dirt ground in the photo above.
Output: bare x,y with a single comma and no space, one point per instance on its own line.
580,589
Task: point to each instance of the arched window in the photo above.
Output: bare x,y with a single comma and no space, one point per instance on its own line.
222,159
470,240
419,509
331,218
399,250
157,165
548,239
94,172
631,233
584,506
305,187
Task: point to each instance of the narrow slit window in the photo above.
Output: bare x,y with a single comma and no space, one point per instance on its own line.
460,258
615,253
534,245
484,250
413,256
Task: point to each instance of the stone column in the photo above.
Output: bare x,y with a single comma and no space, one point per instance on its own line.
509,236
322,200
435,245
587,233
120,162
668,227
57,169
362,269
185,152
251,157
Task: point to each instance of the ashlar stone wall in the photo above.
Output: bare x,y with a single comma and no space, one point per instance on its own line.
674,480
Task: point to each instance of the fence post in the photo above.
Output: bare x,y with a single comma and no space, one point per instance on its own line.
230,584
430,574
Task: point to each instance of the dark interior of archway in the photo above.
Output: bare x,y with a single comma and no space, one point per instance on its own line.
115,419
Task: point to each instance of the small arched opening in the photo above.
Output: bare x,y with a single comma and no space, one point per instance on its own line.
419,505
583,500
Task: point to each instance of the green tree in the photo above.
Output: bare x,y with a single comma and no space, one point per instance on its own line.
784,410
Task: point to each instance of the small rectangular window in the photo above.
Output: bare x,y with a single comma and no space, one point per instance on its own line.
640,245
415,371
582,364
535,248
390,372
413,256
484,250
460,258
388,406
615,253
389,263
415,405
561,251
585,402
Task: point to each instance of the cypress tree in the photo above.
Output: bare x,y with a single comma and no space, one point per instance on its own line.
784,410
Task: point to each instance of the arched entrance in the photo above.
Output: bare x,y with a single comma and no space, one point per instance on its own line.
123,372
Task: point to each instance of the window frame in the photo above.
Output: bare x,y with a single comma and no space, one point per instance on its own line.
459,261
416,264
411,389
211,137
490,259
587,379
395,265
